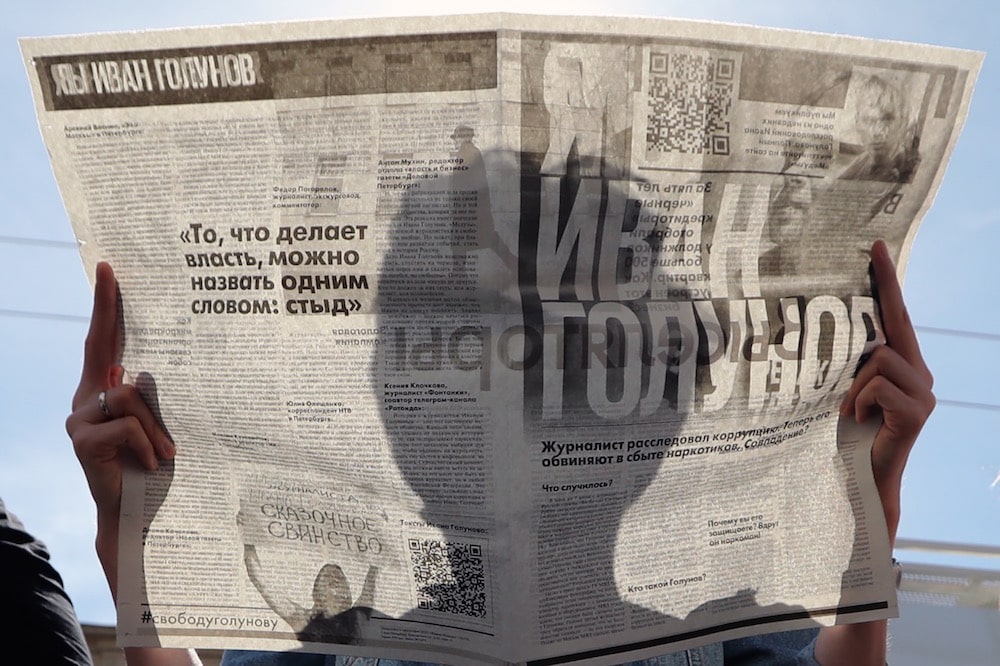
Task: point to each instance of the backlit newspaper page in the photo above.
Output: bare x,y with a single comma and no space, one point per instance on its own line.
497,339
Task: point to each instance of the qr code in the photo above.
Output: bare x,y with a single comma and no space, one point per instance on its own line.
449,576
690,99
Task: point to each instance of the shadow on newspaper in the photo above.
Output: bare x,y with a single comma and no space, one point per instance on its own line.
585,342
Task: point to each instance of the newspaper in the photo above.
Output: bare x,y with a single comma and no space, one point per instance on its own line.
497,339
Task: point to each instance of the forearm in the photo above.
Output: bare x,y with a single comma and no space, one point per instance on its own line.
860,644
367,596
106,544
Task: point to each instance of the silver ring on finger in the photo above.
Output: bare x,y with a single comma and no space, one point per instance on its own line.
102,402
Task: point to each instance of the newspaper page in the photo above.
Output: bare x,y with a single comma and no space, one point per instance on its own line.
497,339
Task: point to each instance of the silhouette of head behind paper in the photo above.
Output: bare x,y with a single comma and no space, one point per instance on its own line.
500,352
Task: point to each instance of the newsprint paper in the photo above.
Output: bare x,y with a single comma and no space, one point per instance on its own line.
497,339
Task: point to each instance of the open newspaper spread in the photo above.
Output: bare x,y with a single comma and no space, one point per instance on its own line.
497,339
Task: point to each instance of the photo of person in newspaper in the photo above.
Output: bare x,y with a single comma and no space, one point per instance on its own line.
890,148
813,223
582,96
334,617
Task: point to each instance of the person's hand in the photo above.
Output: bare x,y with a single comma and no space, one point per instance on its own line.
110,425
894,382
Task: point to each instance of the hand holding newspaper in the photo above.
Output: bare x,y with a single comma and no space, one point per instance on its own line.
500,339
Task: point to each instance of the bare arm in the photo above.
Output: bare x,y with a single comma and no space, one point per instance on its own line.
106,442
896,383
367,596
295,615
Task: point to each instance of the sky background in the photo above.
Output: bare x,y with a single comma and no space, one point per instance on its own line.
952,486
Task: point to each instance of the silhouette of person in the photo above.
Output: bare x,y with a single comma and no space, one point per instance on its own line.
472,224
333,616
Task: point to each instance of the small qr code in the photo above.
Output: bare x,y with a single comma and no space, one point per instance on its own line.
690,99
449,576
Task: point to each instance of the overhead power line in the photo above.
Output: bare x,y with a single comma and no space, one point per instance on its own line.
944,402
934,330
957,333
968,405
38,242
24,314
